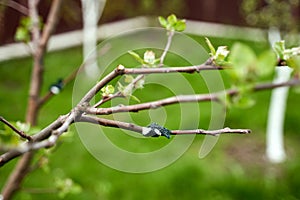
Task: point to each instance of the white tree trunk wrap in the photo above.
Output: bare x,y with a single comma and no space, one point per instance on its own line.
275,141
91,11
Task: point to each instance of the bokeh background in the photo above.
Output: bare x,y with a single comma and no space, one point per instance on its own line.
236,168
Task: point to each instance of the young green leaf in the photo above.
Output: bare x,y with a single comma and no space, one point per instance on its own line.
266,63
140,84
107,90
26,22
128,78
242,101
125,90
225,99
211,47
279,48
120,87
221,55
136,56
66,186
163,22
243,59
172,19
22,35
25,127
294,62
135,98
9,137
180,25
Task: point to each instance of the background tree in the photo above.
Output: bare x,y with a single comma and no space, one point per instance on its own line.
40,38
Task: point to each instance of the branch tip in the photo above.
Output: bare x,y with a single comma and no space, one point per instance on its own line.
120,69
12,127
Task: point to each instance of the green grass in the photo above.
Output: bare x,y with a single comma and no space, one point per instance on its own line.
235,169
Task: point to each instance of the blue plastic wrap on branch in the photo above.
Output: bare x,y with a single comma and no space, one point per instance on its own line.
155,130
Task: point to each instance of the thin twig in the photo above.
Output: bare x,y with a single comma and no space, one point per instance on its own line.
20,133
154,104
106,99
65,81
50,25
111,123
40,136
51,141
15,5
139,129
142,71
211,132
141,75
112,75
129,87
184,69
45,143
169,41
185,98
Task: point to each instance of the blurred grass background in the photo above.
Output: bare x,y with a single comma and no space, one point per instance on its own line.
235,169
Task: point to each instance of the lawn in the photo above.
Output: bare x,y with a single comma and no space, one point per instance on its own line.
236,168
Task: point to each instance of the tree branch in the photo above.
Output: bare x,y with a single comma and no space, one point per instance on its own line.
142,71
15,5
211,132
185,98
25,147
20,133
22,167
50,24
139,129
154,104
185,69
51,141
16,177
168,45
112,75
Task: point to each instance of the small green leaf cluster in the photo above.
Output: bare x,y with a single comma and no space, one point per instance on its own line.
107,91
9,137
247,67
138,84
242,99
171,23
66,186
148,60
244,67
130,85
219,56
289,57
23,30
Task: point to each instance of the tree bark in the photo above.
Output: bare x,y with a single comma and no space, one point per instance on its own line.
39,48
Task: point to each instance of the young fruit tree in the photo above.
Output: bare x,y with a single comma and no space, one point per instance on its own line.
243,66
